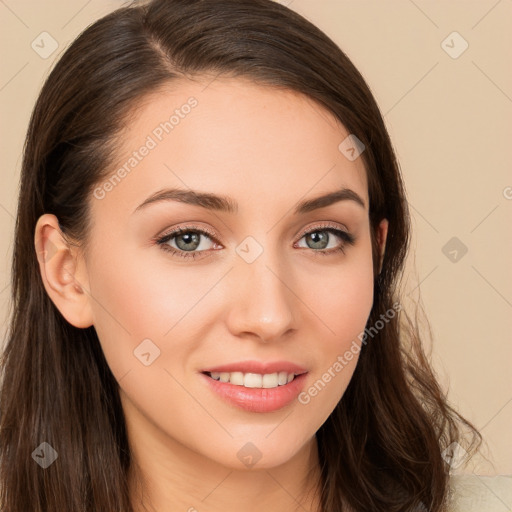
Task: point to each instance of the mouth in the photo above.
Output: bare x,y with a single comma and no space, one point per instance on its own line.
254,380
256,386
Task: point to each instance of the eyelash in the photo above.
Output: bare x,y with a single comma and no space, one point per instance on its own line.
347,238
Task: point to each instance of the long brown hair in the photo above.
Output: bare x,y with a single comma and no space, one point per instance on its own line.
381,448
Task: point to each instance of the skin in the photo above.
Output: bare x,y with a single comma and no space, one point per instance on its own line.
267,149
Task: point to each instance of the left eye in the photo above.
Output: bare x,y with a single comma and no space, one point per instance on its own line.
320,238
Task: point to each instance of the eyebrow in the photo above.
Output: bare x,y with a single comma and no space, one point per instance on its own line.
228,205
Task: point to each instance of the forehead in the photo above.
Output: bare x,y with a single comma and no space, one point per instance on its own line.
258,144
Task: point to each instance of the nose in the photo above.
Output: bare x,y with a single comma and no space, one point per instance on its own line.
263,303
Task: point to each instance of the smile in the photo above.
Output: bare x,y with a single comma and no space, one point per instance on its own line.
253,380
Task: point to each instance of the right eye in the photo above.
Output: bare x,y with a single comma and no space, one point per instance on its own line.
187,241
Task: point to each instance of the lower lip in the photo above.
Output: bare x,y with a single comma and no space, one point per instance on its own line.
258,399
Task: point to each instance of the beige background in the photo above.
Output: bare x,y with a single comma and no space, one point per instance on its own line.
450,120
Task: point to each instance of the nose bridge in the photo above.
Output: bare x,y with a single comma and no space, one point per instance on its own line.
264,302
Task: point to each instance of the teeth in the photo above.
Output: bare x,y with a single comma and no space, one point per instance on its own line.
236,378
254,380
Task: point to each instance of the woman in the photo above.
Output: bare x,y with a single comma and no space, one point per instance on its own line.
211,229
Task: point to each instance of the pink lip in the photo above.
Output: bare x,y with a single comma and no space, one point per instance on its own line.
258,367
256,399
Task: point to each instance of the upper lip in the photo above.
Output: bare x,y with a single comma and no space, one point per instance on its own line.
258,367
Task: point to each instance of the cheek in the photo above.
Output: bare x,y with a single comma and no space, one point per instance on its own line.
342,302
146,298
345,301
343,297
130,304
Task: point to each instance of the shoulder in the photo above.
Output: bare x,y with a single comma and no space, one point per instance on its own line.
475,493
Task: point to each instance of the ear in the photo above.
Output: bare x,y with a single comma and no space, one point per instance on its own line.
382,234
61,272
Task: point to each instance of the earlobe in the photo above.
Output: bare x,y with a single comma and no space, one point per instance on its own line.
60,272
382,237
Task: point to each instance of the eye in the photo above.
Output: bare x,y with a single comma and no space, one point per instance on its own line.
188,241
320,237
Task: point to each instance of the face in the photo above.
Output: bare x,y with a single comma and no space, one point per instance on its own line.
259,287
